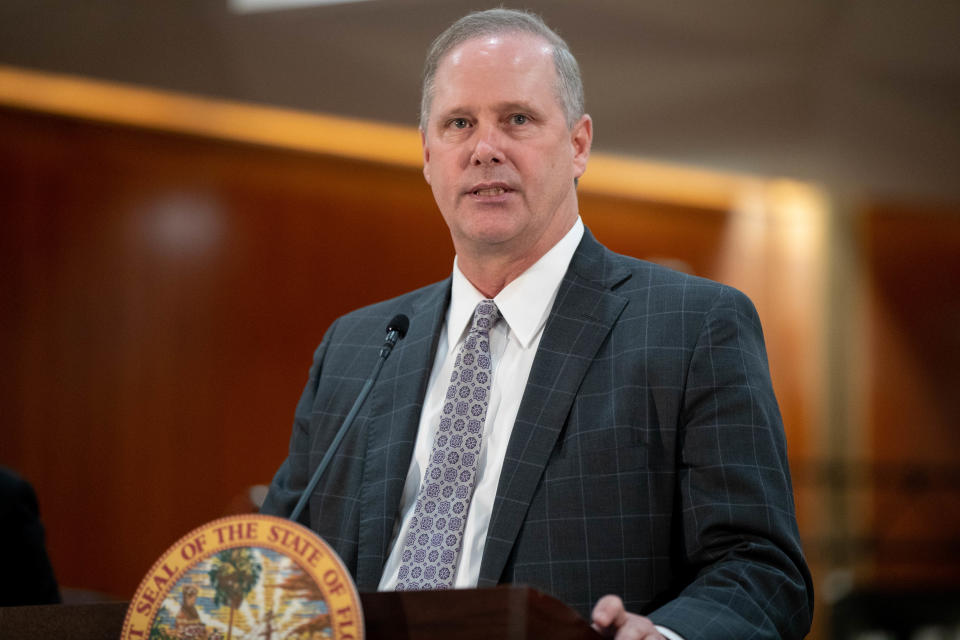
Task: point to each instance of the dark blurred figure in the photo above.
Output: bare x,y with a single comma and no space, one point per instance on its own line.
27,576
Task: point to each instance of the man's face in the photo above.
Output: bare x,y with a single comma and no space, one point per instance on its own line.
497,151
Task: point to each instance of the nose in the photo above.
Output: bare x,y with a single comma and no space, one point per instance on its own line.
487,149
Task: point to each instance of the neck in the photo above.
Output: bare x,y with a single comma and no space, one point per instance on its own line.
490,276
490,270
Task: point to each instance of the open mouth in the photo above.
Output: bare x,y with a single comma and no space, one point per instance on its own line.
490,190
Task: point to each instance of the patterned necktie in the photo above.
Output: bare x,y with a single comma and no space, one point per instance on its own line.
435,537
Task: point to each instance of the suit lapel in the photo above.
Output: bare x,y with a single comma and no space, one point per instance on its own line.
582,317
396,402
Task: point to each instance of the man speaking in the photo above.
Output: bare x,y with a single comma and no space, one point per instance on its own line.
598,427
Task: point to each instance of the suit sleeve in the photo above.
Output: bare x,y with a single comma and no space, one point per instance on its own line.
27,577
740,546
292,476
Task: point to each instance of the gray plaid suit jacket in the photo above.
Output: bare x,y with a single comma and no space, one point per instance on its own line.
648,457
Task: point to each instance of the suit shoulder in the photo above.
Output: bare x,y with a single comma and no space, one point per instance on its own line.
642,277
17,497
362,325
404,303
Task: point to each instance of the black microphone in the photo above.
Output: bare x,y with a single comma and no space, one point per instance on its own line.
396,330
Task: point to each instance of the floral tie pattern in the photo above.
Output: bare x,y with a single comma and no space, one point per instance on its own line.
435,537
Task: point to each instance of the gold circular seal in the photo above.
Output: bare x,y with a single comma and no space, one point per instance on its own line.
247,576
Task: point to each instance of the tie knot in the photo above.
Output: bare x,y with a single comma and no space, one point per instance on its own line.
485,316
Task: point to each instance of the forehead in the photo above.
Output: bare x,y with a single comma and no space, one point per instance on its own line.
492,65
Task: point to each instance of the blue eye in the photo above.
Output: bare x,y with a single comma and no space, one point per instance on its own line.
518,118
459,123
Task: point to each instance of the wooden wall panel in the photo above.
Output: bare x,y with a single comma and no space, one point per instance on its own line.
162,296
913,378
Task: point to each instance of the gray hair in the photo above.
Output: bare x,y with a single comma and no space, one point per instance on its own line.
500,21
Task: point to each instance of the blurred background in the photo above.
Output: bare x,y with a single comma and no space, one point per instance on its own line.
190,192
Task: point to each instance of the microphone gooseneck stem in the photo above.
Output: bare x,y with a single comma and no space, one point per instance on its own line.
392,337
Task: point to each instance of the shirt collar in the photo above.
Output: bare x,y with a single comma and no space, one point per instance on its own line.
524,303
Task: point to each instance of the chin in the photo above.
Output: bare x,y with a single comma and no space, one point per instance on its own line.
492,232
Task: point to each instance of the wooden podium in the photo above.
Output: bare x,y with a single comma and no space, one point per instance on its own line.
508,613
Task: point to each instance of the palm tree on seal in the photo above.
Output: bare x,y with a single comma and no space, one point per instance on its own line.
233,575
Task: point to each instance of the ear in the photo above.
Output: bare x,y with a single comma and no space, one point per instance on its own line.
581,137
426,156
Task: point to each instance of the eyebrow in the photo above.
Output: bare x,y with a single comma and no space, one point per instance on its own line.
521,106
502,107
